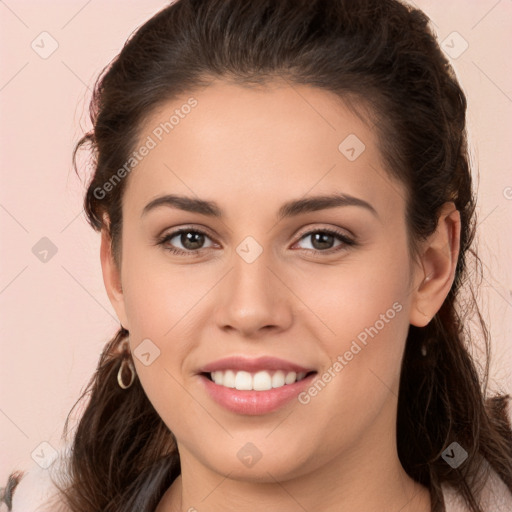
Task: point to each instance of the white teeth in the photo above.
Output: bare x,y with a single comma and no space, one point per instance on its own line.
243,381
229,379
262,381
278,379
259,381
290,378
217,377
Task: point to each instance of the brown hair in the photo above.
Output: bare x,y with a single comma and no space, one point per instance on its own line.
382,54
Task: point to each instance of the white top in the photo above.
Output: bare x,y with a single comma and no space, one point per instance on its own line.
35,491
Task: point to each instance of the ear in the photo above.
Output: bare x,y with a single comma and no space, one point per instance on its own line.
112,278
436,271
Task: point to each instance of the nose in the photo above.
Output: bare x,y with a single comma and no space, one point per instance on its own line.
253,298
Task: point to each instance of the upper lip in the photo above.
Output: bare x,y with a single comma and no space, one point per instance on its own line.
241,363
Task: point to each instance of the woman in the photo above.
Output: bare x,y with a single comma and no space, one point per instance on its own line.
286,216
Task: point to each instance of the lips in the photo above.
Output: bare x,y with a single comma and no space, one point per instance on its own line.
240,363
255,403
254,386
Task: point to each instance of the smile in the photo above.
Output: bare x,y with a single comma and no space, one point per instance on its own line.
259,381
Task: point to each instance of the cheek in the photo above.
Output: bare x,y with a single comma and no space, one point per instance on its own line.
159,306
366,296
364,309
162,323
159,296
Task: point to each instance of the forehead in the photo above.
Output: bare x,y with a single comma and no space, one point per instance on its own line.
275,139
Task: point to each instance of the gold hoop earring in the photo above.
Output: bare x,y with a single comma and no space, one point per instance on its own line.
126,363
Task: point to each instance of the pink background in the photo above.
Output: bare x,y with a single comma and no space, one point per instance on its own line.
55,317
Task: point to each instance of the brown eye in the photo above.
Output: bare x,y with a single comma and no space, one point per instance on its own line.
323,240
191,240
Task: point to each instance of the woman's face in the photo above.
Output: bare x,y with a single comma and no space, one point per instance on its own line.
265,282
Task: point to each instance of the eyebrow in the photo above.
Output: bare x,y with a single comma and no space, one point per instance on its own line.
288,209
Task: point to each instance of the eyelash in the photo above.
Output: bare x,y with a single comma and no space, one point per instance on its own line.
346,241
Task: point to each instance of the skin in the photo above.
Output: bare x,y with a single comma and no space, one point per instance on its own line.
251,150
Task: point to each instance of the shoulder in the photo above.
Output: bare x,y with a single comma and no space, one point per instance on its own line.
495,497
36,490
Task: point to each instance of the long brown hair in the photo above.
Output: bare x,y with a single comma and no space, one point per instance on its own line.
377,53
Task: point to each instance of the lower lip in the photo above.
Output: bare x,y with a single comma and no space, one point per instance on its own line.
255,402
